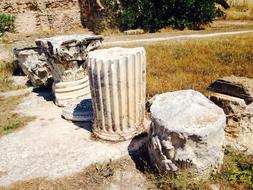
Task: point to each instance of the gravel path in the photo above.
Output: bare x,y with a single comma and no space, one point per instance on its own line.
50,146
150,39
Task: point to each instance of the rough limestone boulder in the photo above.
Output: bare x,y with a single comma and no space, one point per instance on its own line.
34,64
234,95
187,132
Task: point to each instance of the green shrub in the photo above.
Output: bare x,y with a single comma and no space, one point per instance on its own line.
6,23
153,15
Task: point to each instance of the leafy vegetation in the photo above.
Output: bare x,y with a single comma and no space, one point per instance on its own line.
153,15
237,171
6,23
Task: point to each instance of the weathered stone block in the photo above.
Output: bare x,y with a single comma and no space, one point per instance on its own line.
34,64
235,98
68,61
240,87
234,109
79,111
187,131
118,85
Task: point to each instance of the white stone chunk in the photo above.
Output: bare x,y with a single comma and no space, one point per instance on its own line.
34,64
187,132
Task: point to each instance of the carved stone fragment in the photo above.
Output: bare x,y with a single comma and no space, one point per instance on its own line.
118,85
34,64
68,62
187,132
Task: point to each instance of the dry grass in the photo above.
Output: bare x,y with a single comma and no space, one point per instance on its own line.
239,13
195,64
10,121
240,10
6,70
246,3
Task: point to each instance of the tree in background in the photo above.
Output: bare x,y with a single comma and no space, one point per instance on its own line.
150,15
153,15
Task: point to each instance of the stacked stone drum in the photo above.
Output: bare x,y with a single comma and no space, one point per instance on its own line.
118,87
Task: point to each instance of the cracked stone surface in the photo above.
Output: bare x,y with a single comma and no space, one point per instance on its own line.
187,131
34,64
67,55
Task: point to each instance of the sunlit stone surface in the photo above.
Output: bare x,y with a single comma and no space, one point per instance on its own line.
187,132
67,56
34,64
118,84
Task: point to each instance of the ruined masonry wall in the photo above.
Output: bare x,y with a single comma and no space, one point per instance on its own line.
43,15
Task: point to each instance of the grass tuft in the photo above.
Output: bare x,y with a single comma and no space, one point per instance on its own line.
6,71
9,120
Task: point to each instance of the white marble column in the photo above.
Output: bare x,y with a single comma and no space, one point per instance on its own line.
118,87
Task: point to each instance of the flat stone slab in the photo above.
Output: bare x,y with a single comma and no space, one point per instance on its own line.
52,147
240,87
79,111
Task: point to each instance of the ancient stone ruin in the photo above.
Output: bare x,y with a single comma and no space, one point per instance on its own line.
187,132
67,56
79,111
43,15
34,64
118,84
235,96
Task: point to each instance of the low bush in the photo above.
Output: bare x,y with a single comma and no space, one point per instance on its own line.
6,23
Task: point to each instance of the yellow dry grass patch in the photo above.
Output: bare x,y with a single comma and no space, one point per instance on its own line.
239,13
195,64
6,69
9,120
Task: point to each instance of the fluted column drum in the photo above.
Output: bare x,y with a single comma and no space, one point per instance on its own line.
118,88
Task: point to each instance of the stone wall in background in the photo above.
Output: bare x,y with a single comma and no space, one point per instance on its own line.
43,15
